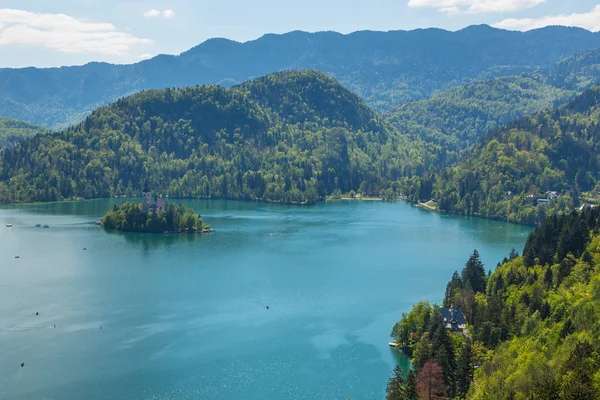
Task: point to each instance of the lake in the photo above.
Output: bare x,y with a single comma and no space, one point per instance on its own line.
185,316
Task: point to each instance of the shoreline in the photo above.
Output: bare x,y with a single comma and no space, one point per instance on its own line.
425,207
421,206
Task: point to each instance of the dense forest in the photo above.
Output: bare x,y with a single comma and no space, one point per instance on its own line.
11,131
130,217
533,330
293,137
518,166
384,68
454,120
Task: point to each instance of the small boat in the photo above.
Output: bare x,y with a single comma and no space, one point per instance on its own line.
393,344
38,225
85,248
9,225
46,226
17,257
98,222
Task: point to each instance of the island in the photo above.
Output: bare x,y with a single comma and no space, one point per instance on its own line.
154,217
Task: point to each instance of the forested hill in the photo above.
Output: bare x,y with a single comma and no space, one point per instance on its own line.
384,68
454,120
11,131
516,165
290,137
533,324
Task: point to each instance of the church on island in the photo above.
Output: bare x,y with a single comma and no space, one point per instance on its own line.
149,206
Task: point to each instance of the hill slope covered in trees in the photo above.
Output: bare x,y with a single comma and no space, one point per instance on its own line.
12,130
290,137
534,328
514,166
454,120
384,68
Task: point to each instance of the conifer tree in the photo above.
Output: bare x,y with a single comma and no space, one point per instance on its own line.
465,369
474,273
396,386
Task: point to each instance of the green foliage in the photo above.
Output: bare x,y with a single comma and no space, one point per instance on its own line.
473,275
535,330
11,131
396,387
514,166
175,218
291,137
453,121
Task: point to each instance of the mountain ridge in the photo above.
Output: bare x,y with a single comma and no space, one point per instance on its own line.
384,68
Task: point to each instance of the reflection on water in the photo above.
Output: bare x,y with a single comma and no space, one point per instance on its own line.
150,242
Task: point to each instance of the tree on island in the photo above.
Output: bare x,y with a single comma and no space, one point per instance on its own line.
174,218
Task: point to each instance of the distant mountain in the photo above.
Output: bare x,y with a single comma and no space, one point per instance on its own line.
290,137
384,68
12,130
513,166
454,120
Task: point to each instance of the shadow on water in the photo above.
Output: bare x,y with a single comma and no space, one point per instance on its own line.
153,241
401,359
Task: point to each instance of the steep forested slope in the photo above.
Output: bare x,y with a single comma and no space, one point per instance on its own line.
454,120
384,68
534,326
515,165
11,131
288,137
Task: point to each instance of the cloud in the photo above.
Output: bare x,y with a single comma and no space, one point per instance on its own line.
475,6
589,21
64,33
151,13
168,13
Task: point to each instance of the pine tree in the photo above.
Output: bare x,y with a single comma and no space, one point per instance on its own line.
455,284
411,386
465,369
396,386
474,273
548,277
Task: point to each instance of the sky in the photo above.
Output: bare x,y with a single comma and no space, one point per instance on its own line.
44,33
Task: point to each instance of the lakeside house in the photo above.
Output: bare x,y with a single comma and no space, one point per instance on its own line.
454,319
148,205
552,195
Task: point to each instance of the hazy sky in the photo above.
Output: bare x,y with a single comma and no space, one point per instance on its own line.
67,32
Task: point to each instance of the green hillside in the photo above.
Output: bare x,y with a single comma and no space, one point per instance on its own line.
12,130
292,137
454,120
514,166
533,327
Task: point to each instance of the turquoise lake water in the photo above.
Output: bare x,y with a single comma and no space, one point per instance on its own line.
185,317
